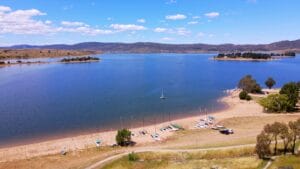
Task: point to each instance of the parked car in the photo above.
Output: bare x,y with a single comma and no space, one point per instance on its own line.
226,131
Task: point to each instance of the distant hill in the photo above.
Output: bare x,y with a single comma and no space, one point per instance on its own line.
147,47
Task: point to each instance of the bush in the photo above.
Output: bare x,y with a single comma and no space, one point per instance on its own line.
248,98
123,137
244,96
276,103
292,91
133,156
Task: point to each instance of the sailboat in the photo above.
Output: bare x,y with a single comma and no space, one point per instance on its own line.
162,94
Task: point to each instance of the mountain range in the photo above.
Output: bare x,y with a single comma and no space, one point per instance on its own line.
149,47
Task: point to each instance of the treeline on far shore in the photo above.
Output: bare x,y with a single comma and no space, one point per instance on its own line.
252,55
79,59
19,62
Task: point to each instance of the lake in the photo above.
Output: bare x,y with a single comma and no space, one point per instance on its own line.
122,90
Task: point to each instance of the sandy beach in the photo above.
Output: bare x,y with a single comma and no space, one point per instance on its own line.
235,108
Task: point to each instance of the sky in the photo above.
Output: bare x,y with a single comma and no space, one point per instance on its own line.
39,22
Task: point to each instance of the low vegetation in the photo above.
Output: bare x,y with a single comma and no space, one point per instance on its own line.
40,53
285,101
244,95
286,162
133,156
276,103
234,158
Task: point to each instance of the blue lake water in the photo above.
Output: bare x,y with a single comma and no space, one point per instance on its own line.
49,100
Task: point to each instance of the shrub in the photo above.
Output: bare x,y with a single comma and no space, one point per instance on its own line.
292,91
133,156
244,96
123,137
276,103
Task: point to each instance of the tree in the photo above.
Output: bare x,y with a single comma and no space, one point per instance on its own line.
291,90
249,85
285,135
123,137
275,130
276,103
270,82
295,132
262,147
298,85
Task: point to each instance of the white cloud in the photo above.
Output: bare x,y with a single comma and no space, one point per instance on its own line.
127,27
73,24
176,17
4,9
212,14
182,31
141,20
85,30
22,21
179,31
201,34
196,17
48,22
159,30
193,22
166,39
171,2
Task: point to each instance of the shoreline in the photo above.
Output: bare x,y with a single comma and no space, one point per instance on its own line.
68,134
234,108
43,63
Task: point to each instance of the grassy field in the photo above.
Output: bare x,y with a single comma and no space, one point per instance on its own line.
235,158
78,159
289,160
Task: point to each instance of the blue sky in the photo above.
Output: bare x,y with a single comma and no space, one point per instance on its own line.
164,21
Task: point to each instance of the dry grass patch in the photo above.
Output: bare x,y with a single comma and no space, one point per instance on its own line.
236,158
76,159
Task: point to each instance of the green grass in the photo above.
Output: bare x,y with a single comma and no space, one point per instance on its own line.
288,160
242,158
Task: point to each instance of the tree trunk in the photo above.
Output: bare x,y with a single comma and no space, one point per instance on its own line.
275,148
294,145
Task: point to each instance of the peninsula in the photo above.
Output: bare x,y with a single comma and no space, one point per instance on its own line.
41,53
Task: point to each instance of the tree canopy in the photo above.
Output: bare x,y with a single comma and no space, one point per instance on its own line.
270,82
276,103
249,85
123,137
292,91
